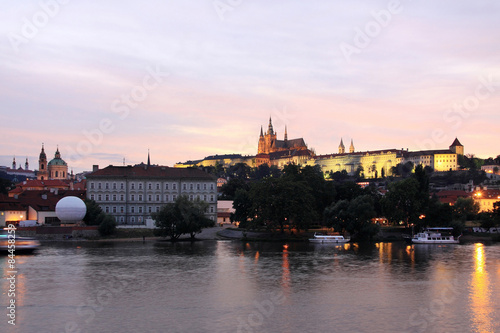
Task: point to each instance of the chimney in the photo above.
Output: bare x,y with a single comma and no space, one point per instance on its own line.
95,167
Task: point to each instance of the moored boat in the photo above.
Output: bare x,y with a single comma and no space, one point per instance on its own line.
320,238
435,236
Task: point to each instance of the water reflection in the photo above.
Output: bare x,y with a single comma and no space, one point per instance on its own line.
480,293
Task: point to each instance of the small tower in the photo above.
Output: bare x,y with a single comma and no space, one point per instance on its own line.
351,148
43,173
14,163
149,159
26,165
270,130
457,147
341,147
286,135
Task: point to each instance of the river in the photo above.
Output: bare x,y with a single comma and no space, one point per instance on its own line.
232,286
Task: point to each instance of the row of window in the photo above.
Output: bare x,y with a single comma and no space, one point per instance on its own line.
140,209
150,197
139,219
150,186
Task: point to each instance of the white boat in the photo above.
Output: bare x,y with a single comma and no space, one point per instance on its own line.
12,243
320,238
435,236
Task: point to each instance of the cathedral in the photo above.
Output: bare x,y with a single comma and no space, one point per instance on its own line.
272,151
57,168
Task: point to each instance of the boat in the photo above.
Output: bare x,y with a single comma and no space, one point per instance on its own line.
17,244
435,236
320,238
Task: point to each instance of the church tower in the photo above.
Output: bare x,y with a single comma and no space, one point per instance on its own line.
26,165
341,147
351,148
42,166
267,141
14,163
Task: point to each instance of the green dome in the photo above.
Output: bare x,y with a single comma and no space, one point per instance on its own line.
57,161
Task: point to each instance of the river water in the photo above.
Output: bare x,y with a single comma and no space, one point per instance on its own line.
231,286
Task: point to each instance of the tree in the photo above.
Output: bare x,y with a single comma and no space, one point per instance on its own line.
182,217
353,216
229,189
239,170
465,209
401,202
107,226
95,214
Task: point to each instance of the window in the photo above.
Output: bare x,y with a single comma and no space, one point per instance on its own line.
132,219
140,186
211,186
92,197
121,219
150,209
132,186
99,197
122,186
190,186
122,197
184,187
122,210
157,209
132,209
166,198
166,186
132,197
114,197
198,187
91,184
174,186
205,197
212,198
150,198
190,197
150,186
157,197
107,197
211,209
140,210
114,209
114,186
106,186
204,186
140,197
106,209
174,197
98,186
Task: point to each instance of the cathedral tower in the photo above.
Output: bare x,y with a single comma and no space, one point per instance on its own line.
341,147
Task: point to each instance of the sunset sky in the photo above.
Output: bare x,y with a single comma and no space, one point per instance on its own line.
108,80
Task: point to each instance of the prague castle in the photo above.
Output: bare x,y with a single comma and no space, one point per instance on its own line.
373,164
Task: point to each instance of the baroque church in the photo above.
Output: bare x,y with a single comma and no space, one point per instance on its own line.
56,168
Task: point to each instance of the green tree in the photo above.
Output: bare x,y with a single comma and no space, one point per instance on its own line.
95,214
402,201
353,216
465,209
228,190
182,217
107,226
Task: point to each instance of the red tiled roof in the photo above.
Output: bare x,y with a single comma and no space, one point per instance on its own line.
43,183
152,171
41,200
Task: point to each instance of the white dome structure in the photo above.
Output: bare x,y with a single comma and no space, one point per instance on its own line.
71,209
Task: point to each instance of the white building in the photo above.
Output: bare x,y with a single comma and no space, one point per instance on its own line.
132,193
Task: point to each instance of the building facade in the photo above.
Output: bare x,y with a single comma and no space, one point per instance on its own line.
132,193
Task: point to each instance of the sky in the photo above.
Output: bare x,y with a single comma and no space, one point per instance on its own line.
104,81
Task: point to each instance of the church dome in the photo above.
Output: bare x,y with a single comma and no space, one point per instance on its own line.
57,161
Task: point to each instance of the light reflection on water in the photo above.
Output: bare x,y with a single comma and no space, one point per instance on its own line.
257,287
